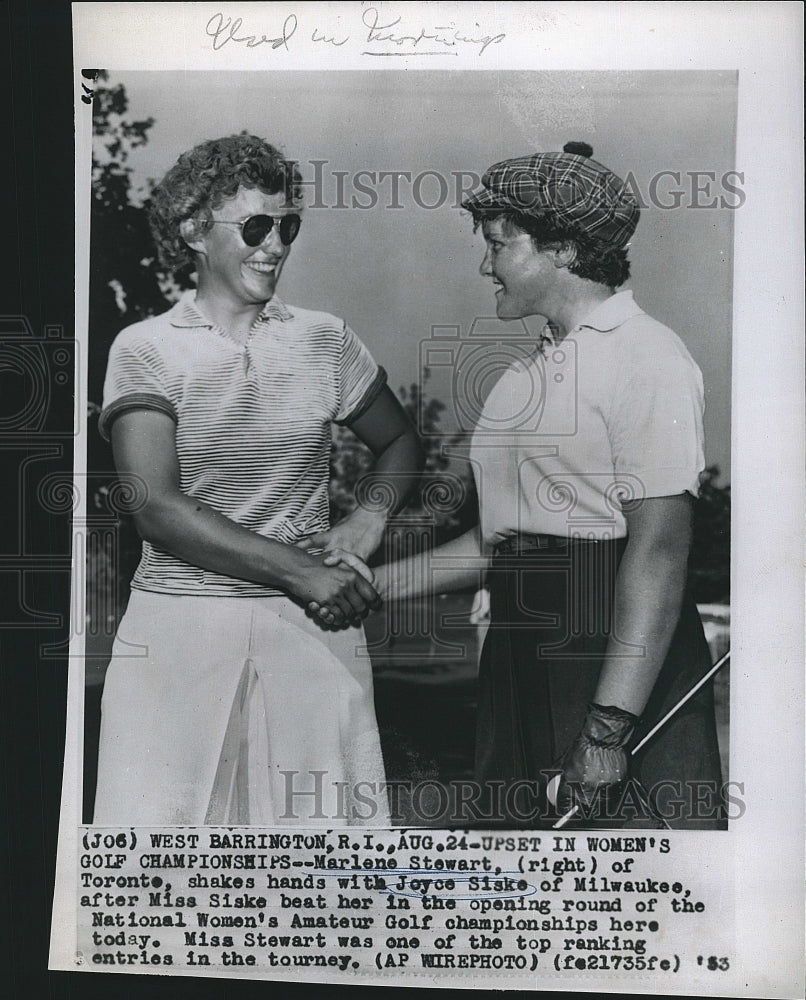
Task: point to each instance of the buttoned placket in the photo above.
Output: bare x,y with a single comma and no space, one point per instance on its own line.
247,357
194,318
248,362
270,311
243,348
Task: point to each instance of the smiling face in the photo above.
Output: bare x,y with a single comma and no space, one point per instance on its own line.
523,276
238,276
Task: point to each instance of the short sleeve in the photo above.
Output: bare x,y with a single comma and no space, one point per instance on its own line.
136,378
360,379
656,429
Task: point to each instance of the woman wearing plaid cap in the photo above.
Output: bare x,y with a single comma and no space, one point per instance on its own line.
223,701
587,458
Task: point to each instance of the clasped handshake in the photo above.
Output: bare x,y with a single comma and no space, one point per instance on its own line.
337,587
342,593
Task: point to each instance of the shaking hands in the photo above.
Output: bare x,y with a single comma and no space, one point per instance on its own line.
343,593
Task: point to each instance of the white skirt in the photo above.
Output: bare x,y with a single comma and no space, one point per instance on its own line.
228,711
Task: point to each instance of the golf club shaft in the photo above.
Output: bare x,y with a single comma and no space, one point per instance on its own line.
658,725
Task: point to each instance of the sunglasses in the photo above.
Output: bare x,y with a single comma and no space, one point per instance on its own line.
256,228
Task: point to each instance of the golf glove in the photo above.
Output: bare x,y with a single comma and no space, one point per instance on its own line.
597,758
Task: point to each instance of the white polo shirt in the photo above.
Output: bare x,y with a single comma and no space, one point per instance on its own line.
252,421
612,412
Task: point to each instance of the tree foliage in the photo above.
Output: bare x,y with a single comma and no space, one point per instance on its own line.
126,283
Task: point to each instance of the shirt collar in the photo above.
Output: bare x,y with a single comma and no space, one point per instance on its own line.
275,308
186,314
611,313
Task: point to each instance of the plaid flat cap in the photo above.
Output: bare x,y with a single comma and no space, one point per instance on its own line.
568,189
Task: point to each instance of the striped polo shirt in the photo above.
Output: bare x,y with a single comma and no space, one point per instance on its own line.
253,421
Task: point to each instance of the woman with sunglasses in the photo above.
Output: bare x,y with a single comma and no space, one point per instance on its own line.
224,702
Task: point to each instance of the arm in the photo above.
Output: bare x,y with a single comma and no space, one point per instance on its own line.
649,593
463,564
144,445
386,430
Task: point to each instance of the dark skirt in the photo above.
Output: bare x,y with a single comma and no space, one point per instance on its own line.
551,618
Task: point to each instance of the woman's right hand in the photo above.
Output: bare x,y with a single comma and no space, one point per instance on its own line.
336,594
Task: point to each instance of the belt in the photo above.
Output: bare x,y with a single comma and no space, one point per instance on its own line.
519,544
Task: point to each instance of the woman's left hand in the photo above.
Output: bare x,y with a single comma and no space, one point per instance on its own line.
596,760
358,534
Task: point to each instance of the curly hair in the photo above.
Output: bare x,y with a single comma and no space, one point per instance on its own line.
203,178
594,259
